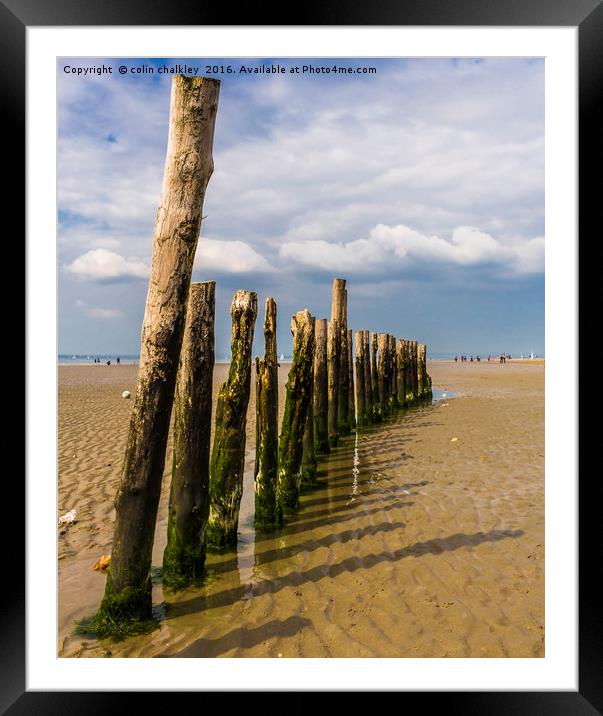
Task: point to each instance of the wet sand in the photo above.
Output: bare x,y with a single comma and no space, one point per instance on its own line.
413,545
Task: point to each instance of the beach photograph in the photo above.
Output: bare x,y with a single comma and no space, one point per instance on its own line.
301,370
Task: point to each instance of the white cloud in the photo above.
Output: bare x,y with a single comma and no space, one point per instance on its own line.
229,257
101,264
392,248
95,312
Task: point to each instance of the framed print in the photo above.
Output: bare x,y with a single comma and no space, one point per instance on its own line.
411,177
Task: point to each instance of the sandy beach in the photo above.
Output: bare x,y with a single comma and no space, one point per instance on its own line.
425,537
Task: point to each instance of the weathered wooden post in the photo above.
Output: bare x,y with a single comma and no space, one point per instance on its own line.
393,379
339,308
401,372
421,369
382,360
297,398
320,389
266,426
368,390
351,394
309,464
228,453
408,372
333,349
360,390
184,554
415,371
126,606
375,379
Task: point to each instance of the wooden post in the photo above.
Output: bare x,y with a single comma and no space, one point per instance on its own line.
421,369
266,426
393,379
351,394
368,390
184,554
415,371
309,463
375,379
408,372
333,348
296,410
360,390
228,452
382,360
401,372
126,606
339,313
320,391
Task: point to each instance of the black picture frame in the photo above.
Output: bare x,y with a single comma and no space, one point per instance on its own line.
587,15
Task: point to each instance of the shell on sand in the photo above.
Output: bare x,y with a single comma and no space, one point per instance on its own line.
126,394
103,562
68,518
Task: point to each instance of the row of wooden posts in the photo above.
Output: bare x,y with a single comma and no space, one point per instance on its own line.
325,397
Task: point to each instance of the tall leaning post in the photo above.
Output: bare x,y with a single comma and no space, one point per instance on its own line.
333,349
360,373
266,426
184,554
227,461
351,393
339,302
320,390
126,605
368,390
298,396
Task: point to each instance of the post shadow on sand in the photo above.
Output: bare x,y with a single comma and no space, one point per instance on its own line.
270,555
244,638
434,546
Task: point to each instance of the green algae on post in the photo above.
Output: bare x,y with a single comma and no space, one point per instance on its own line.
339,309
351,394
360,374
228,452
126,604
266,406
375,379
298,396
401,372
368,390
320,388
184,554
333,348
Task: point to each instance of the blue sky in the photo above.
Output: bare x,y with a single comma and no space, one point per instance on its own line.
422,185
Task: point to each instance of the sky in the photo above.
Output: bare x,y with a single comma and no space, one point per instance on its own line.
422,184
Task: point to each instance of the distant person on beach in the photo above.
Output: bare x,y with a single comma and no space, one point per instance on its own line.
117,360
489,358
456,358
108,362
471,359
477,358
